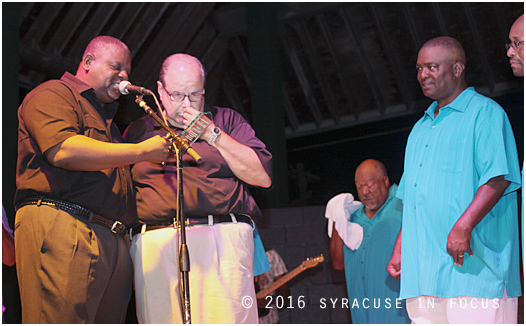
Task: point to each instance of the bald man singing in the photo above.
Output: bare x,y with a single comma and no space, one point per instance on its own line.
74,194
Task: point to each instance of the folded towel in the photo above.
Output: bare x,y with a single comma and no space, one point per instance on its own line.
338,211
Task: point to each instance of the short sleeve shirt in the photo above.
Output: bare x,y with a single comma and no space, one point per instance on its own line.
373,293
209,187
447,159
53,112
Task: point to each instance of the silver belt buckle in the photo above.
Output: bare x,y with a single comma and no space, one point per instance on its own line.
114,226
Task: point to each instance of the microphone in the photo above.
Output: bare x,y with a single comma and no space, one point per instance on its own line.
125,87
176,140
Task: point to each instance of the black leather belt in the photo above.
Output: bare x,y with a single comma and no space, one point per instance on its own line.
196,221
78,211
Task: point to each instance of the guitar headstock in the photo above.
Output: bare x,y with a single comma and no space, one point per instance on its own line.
311,262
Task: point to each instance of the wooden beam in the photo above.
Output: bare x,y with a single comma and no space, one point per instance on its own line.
477,38
174,36
241,59
399,73
289,109
96,21
317,67
440,19
44,20
230,90
348,90
66,29
143,26
125,18
365,63
302,78
413,30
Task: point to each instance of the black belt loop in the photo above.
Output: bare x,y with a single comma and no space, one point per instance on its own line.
76,210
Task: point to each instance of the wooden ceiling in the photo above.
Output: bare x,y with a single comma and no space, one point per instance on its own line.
342,64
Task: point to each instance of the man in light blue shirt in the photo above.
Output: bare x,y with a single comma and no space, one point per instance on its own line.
459,244
373,294
515,51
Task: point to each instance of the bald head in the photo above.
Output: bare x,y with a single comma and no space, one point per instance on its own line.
454,48
182,74
101,43
180,62
373,167
372,184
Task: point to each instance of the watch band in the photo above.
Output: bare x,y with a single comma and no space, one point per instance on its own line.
215,133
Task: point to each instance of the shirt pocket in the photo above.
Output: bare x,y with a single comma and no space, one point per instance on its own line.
452,153
94,128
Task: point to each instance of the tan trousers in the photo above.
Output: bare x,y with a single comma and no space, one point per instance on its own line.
69,271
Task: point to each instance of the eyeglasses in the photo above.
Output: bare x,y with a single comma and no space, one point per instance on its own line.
179,96
514,44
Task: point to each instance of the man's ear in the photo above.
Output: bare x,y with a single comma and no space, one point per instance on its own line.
86,62
386,181
458,68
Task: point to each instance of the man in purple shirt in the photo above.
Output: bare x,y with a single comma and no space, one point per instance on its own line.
217,203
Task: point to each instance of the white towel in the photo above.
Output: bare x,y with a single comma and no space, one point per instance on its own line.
338,211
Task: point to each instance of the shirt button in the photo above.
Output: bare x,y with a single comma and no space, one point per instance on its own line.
426,145
420,164
415,184
433,127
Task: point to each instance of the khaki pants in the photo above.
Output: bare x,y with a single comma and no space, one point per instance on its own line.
70,271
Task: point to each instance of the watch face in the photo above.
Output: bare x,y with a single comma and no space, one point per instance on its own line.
216,130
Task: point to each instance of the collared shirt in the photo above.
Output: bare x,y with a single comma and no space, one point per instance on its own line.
209,187
447,159
53,112
375,291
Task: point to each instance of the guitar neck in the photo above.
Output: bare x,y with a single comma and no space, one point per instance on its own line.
263,293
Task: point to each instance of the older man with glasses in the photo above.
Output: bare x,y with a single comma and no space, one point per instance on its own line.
217,204
515,49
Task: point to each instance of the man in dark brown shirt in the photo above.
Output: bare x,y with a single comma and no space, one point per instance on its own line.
74,194
217,203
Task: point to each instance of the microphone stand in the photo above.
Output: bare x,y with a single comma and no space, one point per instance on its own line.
180,147
184,257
